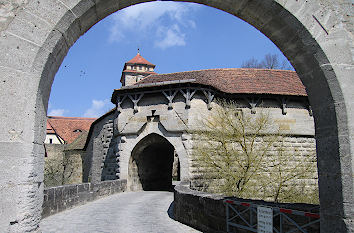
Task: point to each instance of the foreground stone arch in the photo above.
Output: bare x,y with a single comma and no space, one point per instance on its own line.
316,36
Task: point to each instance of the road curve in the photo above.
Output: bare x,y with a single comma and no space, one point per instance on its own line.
124,213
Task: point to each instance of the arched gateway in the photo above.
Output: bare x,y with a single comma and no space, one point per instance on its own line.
316,36
156,114
151,164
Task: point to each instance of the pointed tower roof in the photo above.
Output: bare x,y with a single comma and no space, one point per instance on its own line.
138,59
136,69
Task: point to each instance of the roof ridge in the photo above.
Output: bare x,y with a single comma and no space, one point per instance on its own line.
72,118
189,71
235,80
138,59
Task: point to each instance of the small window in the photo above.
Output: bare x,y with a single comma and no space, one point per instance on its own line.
50,141
77,131
140,68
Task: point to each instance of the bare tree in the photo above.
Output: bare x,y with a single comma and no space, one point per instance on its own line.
58,170
252,63
270,61
235,154
228,147
287,171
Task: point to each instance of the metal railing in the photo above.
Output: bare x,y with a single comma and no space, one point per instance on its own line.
243,215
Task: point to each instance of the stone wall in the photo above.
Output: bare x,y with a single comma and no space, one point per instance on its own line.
55,150
100,160
299,156
56,153
57,199
207,213
77,156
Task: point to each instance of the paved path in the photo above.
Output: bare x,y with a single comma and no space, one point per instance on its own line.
130,212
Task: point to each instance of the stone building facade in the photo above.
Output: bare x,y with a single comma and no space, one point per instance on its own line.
140,138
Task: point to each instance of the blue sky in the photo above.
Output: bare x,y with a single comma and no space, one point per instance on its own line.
172,35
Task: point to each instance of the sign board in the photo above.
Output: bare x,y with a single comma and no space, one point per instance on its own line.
264,219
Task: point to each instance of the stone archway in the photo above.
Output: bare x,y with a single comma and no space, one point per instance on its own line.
151,164
316,36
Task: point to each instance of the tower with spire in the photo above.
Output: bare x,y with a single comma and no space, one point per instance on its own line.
135,70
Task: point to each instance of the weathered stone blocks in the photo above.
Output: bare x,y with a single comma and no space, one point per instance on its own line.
57,199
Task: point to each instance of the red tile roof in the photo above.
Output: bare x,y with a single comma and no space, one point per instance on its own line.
138,59
50,128
239,80
65,126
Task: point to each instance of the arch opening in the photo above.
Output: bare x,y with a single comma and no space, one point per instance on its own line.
151,165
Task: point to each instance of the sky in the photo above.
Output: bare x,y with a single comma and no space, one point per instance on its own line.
174,36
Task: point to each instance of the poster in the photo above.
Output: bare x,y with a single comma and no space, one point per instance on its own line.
265,219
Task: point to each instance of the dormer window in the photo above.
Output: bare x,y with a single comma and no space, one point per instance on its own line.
77,131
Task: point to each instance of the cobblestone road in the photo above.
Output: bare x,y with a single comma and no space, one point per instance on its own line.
124,212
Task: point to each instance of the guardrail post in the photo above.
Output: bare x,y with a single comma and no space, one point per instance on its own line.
227,218
281,222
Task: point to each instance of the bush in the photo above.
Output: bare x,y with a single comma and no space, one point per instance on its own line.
245,156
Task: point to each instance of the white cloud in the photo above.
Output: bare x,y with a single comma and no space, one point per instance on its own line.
147,19
170,37
57,112
98,108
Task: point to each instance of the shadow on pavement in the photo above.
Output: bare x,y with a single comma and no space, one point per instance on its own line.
170,210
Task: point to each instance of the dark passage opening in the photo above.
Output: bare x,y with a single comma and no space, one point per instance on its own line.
151,164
